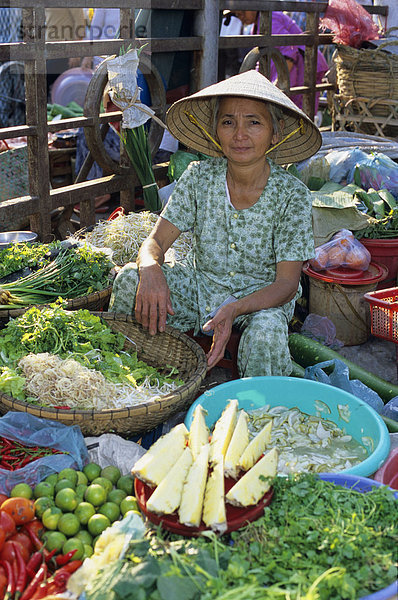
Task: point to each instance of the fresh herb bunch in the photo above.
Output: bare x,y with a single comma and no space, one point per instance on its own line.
384,228
29,254
73,273
135,142
316,541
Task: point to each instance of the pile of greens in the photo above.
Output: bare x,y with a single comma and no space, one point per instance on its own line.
316,541
30,254
70,334
74,272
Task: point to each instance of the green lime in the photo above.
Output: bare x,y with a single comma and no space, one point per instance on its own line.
50,517
95,494
95,540
80,489
66,499
62,483
41,504
128,503
110,510
106,483
81,478
68,524
53,478
133,512
84,536
91,471
21,490
88,551
112,473
54,540
116,496
97,523
125,483
44,488
68,474
84,511
74,543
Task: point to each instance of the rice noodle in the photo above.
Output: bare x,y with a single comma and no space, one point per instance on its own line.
125,234
57,382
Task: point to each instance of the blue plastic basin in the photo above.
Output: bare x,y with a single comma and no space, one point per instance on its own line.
363,484
363,422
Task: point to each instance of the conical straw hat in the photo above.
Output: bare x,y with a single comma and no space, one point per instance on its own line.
251,84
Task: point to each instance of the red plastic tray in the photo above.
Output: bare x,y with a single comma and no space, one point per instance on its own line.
236,517
374,274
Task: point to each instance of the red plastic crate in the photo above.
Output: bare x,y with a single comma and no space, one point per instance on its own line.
384,313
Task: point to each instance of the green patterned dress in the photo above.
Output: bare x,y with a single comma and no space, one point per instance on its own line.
234,252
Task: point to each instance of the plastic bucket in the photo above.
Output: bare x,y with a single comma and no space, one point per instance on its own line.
344,306
384,252
360,420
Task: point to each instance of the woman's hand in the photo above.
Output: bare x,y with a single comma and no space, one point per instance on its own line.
221,324
153,302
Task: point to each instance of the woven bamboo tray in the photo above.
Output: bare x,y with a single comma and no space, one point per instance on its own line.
96,301
168,348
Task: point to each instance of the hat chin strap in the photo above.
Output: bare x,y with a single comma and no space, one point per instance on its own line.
207,134
300,128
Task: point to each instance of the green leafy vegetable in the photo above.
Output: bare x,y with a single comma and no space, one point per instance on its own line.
19,256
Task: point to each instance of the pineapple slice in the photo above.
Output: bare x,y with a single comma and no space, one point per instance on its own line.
251,487
255,448
214,513
238,443
198,432
223,431
190,511
161,456
167,496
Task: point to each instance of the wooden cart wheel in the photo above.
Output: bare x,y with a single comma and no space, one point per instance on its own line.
92,108
252,58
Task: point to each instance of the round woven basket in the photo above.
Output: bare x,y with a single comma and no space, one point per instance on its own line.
169,348
368,75
96,301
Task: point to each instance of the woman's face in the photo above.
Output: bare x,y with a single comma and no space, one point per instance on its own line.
244,129
246,16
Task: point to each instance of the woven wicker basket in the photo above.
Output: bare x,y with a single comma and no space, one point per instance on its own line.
94,301
368,74
168,348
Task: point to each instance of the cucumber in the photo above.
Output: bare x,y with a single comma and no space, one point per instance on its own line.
308,352
297,370
392,425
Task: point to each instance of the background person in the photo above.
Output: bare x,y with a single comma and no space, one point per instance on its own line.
251,223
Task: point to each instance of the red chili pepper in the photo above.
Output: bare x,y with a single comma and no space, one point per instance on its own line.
61,576
34,563
30,528
10,577
63,559
22,575
34,584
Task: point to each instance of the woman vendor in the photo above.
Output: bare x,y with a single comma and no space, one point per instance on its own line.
251,223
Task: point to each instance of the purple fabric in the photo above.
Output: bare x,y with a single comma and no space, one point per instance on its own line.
283,24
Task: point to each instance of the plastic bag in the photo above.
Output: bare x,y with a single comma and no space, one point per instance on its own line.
390,410
377,171
111,449
321,329
343,250
33,431
341,163
340,378
350,23
179,162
